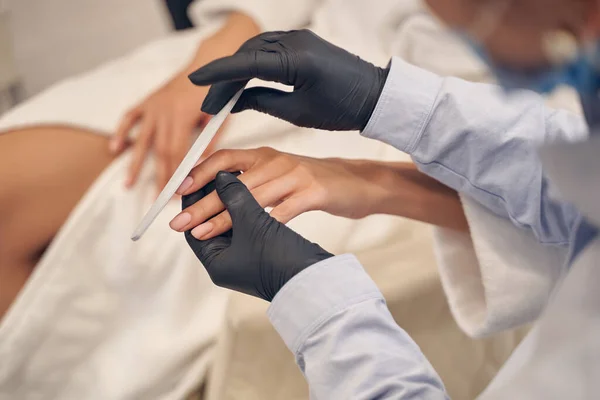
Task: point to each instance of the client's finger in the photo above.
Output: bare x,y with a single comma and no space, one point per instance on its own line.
140,150
197,213
211,204
127,123
223,160
292,207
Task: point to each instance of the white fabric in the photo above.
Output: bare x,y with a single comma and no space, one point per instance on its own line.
560,358
497,277
105,318
268,14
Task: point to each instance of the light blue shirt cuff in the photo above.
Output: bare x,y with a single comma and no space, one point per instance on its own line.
316,294
404,106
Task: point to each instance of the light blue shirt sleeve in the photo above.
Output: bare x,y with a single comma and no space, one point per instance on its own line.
475,139
335,321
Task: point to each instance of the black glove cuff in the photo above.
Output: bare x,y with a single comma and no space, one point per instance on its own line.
375,93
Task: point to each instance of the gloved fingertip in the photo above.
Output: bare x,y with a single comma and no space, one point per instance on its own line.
197,78
241,105
192,198
230,189
209,106
223,178
219,94
238,107
237,198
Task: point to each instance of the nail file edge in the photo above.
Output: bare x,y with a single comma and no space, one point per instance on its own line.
186,165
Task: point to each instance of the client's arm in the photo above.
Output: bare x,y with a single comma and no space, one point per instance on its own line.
167,118
295,184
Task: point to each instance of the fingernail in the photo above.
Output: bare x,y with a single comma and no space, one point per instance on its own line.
202,230
180,221
114,145
185,185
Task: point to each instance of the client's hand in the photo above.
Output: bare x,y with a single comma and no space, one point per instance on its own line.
167,119
169,116
292,184
259,255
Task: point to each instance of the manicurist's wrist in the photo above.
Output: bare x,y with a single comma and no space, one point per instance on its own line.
404,106
318,293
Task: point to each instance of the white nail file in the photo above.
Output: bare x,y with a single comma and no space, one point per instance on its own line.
183,170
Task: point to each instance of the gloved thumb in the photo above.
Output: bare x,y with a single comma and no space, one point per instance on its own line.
238,200
267,100
219,94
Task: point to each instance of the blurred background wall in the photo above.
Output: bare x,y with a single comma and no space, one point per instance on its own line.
54,39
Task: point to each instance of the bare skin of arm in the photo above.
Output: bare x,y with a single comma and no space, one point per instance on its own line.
417,196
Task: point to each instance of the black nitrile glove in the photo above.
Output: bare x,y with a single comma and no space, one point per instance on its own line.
333,89
259,254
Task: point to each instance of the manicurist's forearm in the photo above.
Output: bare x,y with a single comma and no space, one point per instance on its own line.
345,341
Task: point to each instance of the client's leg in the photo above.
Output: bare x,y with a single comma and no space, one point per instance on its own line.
44,171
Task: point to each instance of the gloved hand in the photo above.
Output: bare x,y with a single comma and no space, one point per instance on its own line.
333,89
258,255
